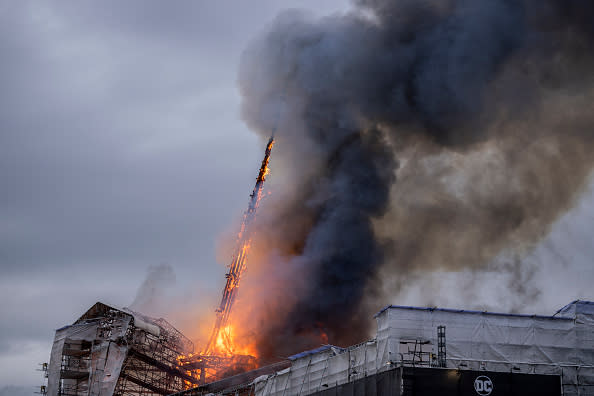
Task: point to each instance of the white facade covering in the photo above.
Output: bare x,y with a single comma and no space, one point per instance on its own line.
319,369
89,370
562,344
110,350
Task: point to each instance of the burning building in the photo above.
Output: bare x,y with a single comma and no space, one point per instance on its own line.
416,351
414,136
111,351
429,351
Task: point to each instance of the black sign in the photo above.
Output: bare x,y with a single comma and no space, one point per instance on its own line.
445,382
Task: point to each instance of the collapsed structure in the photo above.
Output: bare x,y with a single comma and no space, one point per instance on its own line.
429,351
112,351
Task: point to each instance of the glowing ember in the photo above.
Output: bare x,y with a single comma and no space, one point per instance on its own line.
222,342
224,353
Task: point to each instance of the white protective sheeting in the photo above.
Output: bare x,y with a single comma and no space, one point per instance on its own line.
142,323
484,336
108,358
562,344
75,332
97,369
320,369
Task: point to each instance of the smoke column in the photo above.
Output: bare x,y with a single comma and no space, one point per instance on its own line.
412,136
151,293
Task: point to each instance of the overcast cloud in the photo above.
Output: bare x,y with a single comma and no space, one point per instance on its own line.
122,150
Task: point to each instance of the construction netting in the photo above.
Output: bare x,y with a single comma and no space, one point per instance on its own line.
323,368
85,362
562,345
110,350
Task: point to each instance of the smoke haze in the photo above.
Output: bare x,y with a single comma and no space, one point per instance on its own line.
150,295
412,136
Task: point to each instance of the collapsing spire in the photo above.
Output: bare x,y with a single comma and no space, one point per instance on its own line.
217,340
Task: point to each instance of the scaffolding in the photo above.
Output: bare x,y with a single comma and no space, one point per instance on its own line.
110,351
211,368
441,346
43,388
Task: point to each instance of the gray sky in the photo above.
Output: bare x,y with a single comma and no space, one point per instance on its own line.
121,148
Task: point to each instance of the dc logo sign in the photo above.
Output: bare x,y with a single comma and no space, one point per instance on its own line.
483,385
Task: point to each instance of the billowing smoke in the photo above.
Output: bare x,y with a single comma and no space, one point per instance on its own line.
150,295
411,136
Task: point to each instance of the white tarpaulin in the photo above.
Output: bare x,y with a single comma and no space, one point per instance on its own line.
562,344
111,350
80,369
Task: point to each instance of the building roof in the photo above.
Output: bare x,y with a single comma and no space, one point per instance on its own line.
312,352
576,306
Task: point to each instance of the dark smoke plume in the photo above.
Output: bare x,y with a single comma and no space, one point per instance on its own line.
411,136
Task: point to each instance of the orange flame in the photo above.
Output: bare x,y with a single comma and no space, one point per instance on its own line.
226,343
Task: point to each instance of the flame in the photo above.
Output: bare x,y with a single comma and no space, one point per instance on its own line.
220,340
229,349
227,344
